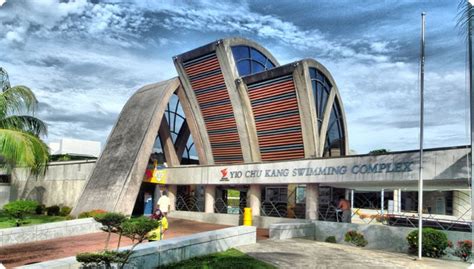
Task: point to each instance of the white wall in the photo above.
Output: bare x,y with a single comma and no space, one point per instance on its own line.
75,147
61,185
4,194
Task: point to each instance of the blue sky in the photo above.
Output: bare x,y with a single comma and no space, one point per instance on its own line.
84,59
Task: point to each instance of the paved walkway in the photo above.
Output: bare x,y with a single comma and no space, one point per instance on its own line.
301,253
28,253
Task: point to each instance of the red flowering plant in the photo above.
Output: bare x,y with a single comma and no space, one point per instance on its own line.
463,250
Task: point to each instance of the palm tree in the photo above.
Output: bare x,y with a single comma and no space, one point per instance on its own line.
20,131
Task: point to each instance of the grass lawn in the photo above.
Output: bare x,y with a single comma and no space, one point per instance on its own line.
231,258
5,222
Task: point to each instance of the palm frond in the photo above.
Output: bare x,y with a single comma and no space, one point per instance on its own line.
17,99
464,15
24,123
23,149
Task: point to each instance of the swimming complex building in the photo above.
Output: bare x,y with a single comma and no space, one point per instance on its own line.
237,129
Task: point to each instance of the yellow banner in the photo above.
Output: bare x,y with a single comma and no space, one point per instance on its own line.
155,175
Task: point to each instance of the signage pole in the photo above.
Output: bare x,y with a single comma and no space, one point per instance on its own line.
420,181
471,88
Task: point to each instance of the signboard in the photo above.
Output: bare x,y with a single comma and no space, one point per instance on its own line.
398,167
390,168
157,174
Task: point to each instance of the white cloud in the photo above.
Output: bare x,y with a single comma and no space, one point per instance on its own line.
13,36
86,59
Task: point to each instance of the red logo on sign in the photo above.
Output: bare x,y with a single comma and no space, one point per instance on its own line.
224,175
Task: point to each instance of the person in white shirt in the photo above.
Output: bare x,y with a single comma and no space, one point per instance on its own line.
164,203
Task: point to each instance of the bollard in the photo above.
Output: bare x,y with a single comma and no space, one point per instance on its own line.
247,216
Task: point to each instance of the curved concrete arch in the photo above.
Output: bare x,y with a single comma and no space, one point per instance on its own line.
115,181
239,97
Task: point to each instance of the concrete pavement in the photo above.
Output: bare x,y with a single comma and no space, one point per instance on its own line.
302,253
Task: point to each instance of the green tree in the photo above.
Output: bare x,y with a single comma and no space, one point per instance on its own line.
136,229
111,222
378,151
20,130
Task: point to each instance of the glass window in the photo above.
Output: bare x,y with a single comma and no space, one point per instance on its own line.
241,52
175,117
158,145
300,194
321,89
257,67
276,194
334,145
250,60
244,67
257,56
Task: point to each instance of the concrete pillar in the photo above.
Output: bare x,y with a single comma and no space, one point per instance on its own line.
172,190
462,204
254,199
347,195
382,194
352,199
209,198
397,200
312,201
291,200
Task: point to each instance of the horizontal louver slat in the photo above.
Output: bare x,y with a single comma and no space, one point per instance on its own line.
275,109
208,84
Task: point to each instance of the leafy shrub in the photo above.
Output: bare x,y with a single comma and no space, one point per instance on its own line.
91,214
463,250
355,238
69,217
40,209
102,258
65,210
18,210
83,215
330,239
52,210
434,242
138,228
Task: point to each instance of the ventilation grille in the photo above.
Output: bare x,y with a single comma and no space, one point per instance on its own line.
209,87
277,119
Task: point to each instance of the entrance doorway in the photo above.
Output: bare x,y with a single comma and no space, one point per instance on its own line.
231,199
145,201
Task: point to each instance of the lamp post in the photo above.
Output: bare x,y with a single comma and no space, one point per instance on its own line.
420,181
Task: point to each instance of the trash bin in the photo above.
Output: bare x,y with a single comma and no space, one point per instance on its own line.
247,216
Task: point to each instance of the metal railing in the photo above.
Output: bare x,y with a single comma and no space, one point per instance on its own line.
188,203
459,221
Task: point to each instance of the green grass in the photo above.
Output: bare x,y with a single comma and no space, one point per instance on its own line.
231,258
6,222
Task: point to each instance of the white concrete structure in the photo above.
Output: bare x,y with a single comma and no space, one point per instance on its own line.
75,147
19,235
376,235
60,185
156,254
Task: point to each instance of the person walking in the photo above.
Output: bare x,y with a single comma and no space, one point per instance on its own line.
345,206
164,203
158,233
